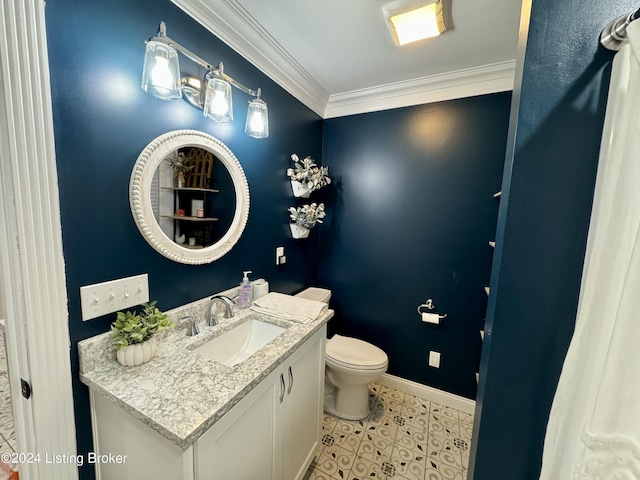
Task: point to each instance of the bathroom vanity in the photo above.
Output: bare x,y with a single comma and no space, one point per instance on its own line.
186,416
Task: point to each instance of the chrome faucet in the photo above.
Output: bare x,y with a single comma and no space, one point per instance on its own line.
192,328
226,302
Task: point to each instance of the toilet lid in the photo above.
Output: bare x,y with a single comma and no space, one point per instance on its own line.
358,353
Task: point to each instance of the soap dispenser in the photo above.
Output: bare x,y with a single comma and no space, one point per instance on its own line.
245,297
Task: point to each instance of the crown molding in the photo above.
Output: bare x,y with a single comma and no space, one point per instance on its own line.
235,26
497,77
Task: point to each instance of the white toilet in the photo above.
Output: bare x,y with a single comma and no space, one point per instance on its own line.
351,365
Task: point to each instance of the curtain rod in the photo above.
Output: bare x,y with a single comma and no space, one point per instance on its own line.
614,35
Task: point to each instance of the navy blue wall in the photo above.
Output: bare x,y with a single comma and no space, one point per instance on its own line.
542,229
103,120
410,217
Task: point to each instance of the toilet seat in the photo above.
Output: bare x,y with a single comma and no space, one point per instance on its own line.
356,354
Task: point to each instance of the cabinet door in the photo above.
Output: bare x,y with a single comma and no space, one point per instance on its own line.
240,445
144,452
302,409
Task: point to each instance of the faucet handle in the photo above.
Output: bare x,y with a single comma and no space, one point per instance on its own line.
192,328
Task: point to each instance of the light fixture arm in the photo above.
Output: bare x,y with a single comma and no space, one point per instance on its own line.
163,38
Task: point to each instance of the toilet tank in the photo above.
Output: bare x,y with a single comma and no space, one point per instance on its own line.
314,293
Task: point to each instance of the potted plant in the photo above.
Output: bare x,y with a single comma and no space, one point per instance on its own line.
305,218
180,168
133,333
306,176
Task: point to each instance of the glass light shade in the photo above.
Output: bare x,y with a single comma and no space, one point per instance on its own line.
161,72
218,104
257,125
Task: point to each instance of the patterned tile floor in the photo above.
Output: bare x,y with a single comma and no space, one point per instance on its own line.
7,431
404,438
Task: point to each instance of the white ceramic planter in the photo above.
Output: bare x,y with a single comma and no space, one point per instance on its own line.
298,232
300,190
137,354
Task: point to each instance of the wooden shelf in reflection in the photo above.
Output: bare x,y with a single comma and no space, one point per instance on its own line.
191,189
191,219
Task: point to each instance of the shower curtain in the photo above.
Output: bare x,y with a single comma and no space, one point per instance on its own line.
594,425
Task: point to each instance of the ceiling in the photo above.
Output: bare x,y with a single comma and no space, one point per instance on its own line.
338,57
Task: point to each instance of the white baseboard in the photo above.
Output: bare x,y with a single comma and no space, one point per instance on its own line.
429,393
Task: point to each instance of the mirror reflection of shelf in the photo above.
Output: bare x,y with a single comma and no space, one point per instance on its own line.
191,199
191,189
191,219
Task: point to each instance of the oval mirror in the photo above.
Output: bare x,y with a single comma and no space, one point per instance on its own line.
189,196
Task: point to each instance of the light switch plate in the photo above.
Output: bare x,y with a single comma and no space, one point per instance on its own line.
107,297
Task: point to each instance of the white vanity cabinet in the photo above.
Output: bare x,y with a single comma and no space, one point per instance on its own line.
271,434
274,431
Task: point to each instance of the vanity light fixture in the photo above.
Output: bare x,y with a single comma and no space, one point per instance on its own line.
413,20
212,94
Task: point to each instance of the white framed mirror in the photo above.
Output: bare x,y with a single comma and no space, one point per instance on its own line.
200,220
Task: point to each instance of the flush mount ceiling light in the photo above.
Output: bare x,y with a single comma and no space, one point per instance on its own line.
212,94
413,20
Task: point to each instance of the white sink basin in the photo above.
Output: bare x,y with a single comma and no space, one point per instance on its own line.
239,343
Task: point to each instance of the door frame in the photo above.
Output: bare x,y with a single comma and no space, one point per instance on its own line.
31,255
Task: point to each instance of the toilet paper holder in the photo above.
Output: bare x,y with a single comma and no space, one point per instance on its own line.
429,305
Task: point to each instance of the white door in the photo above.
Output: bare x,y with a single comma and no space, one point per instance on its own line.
32,276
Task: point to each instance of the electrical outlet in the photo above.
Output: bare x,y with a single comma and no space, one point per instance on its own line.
280,258
107,297
434,359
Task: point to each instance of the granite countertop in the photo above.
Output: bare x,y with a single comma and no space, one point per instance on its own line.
181,394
